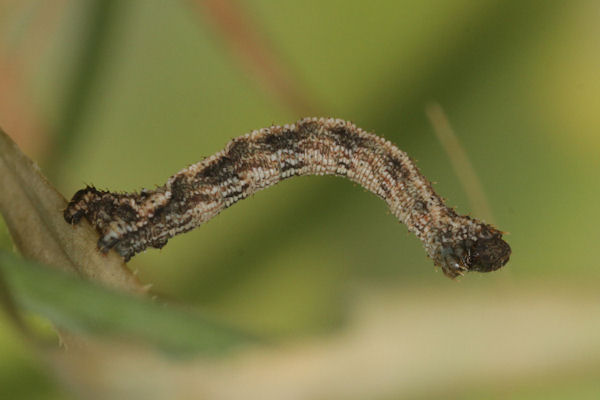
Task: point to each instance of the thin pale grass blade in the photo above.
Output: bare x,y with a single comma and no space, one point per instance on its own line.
87,308
33,212
460,163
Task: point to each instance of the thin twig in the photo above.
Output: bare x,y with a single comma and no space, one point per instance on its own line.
460,162
244,39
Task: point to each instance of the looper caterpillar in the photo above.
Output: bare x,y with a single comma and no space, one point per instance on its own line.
131,222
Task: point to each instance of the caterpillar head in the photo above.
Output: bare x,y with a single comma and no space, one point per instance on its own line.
488,252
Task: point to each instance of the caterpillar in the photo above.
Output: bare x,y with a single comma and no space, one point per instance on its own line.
132,222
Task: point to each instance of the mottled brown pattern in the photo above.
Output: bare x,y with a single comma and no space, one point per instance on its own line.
131,222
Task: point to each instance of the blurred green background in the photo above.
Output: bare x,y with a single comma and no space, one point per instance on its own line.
124,94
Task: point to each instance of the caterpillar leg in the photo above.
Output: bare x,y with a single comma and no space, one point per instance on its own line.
112,215
122,219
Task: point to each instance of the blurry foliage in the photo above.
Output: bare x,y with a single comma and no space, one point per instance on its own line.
76,305
131,92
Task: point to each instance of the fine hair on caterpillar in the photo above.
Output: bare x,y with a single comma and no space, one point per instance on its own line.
131,222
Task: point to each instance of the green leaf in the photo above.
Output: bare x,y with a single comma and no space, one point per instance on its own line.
82,306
